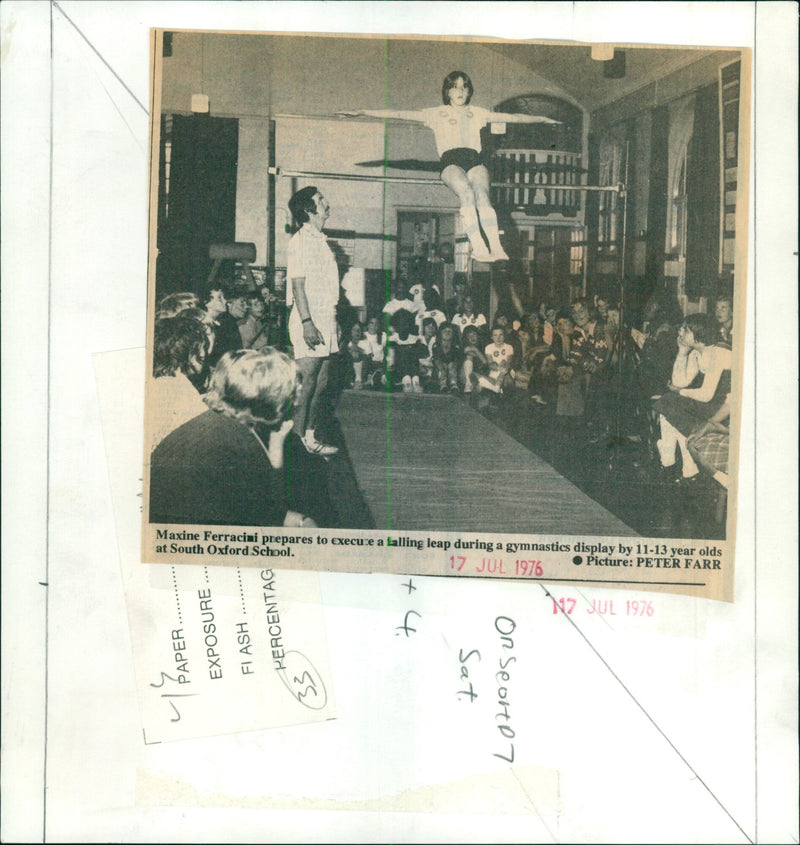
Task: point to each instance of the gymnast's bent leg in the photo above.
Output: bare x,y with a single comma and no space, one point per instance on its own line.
455,179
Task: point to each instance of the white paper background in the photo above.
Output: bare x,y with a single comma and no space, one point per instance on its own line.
74,284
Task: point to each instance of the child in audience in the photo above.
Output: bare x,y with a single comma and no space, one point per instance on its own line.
426,343
403,357
372,346
356,357
500,356
447,359
475,365
431,310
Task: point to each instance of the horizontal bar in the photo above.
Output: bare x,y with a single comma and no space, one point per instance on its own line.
419,180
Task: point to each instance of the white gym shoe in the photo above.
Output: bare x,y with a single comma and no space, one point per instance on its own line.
314,447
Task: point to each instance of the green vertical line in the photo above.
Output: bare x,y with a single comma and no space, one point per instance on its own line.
387,294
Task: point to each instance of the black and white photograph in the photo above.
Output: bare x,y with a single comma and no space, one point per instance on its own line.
398,405
506,286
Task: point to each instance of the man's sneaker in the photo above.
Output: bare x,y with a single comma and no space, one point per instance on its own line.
314,447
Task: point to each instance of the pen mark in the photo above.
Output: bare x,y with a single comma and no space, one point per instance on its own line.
648,716
99,56
44,583
306,686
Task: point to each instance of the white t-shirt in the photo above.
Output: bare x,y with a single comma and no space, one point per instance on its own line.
456,126
499,356
309,257
461,321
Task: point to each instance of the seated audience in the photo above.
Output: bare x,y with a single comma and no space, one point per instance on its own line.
225,307
374,355
180,349
562,369
400,299
684,407
173,303
253,327
474,364
355,355
226,466
656,341
500,357
468,317
709,444
403,357
723,313
432,310
426,342
446,360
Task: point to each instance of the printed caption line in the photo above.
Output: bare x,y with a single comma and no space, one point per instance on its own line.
647,715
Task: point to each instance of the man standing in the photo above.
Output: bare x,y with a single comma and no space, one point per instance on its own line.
313,293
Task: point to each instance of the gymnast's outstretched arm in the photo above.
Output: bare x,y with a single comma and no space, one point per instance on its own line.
390,113
505,117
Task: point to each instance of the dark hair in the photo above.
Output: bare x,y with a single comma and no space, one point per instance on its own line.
175,341
429,321
450,82
702,326
302,203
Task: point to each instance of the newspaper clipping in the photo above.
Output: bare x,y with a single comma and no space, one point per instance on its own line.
454,307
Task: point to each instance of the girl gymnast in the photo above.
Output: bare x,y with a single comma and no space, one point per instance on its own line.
456,126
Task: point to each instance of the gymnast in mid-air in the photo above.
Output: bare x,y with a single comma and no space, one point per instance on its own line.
457,128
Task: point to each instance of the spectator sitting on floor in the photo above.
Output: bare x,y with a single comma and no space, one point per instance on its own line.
684,408
253,327
431,310
534,352
355,357
372,345
500,356
723,313
593,334
226,466
400,299
225,307
474,364
403,357
656,341
562,368
709,444
547,314
180,350
447,359
468,317
173,303
426,342
507,322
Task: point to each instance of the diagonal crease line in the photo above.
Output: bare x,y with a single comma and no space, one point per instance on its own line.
533,804
648,716
99,56
121,115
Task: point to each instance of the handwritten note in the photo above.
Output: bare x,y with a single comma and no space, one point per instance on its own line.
217,649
